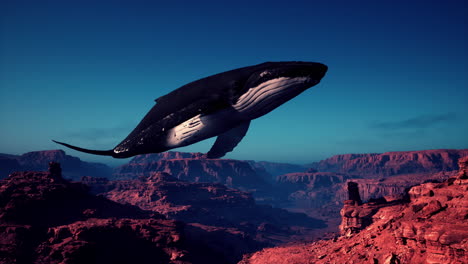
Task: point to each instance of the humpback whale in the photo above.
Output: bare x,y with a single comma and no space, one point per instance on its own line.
220,105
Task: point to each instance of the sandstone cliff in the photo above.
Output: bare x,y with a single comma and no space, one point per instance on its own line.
378,175
429,226
393,163
232,173
311,189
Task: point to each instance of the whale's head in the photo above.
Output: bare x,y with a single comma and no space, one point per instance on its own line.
312,72
273,83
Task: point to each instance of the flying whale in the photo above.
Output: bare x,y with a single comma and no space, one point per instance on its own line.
220,105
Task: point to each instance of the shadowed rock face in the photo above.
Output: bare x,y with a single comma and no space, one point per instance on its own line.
46,219
210,205
232,173
42,199
429,227
74,168
353,193
267,170
8,164
310,189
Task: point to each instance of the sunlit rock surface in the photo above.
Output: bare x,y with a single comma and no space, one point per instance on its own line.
429,227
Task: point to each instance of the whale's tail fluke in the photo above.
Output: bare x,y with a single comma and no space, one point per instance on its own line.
90,151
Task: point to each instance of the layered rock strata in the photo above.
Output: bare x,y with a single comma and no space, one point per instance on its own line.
429,227
393,163
208,204
46,219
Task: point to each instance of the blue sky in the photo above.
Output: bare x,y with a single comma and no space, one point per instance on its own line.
86,72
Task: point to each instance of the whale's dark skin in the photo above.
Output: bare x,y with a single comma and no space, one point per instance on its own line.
208,97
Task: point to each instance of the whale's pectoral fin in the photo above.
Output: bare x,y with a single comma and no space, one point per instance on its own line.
227,141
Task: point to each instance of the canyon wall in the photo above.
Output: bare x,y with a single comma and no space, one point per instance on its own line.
427,226
74,168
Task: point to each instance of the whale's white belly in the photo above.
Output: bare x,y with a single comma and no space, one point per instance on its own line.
201,127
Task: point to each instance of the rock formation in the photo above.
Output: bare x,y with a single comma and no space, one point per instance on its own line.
356,216
308,180
393,163
232,173
275,169
463,171
429,227
353,193
74,168
208,204
310,189
377,175
46,219
392,187
8,164
168,155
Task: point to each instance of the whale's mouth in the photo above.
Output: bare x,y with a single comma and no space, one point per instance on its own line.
266,96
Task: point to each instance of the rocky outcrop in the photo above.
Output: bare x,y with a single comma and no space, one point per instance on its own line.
353,193
328,190
168,155
8,165
386,175
275,169
74,168
114,241
46,219
141,241
311,189
392,187
429,227
44,199
208,204
171,196
463,171
232,173
354,215
310,180
393,163
267,170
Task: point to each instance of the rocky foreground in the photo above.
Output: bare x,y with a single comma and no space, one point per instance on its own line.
46,219
427,225
178,207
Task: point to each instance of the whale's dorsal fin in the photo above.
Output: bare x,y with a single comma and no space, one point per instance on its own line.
227,141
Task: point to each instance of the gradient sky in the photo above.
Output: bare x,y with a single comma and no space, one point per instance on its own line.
86,72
